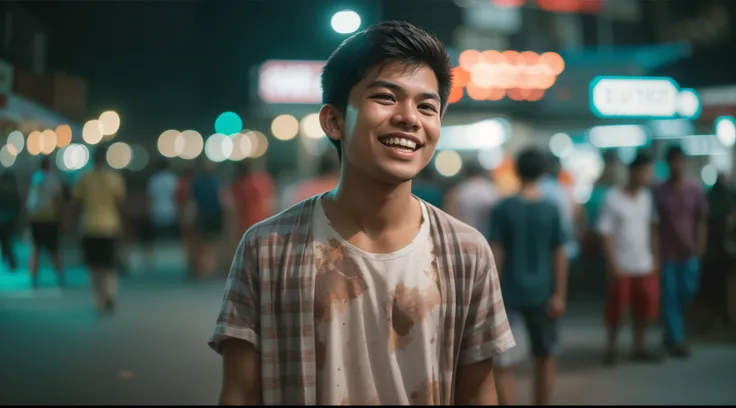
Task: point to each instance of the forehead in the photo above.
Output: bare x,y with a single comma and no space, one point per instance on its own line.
414,78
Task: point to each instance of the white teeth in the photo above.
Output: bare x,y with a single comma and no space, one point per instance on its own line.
398,141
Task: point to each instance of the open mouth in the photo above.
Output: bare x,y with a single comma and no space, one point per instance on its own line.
401,144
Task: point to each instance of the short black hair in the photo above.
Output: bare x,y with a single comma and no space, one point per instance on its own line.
389,41
45,163
100,155
531,164
162,164
642,158
673,152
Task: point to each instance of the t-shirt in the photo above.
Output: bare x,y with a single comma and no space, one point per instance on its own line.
627,220
528,231
99,193
43,193
558,194
161,191
206,195
377,321
334,324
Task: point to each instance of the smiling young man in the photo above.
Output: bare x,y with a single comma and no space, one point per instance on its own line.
367,295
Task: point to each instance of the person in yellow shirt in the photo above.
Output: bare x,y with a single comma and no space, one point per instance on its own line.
99,194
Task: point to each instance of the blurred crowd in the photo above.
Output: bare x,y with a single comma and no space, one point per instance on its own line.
208,213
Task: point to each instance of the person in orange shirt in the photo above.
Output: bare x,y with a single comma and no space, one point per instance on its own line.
253,196
326,180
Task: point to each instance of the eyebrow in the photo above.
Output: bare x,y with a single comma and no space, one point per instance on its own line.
397,88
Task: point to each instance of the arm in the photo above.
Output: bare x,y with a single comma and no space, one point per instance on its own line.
654,237
605,227
701,233
486,334
556,305
237,332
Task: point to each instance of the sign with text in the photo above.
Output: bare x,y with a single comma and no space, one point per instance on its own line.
634,97
290,82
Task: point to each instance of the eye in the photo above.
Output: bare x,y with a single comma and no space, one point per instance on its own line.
428,106
384,97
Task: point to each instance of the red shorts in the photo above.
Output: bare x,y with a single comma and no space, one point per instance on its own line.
641,292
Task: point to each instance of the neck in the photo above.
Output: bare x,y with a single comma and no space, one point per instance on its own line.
371,206
630,187
677,180
530,189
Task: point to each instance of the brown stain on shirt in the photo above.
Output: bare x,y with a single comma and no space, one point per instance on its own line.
408,307
427,394
338,280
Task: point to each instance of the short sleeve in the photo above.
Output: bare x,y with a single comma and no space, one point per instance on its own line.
239,316
487,332
606,217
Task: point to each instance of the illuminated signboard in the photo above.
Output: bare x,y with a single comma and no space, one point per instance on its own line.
290,82
634,97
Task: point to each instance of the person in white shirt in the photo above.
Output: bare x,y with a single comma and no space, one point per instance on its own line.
626,226
472,200
163,215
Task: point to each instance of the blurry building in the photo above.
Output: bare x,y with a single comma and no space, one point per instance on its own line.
45,107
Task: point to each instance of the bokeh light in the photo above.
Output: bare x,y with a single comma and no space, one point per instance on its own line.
140,158
242,147
193,144
218,147
34,143
92,132
726,130
16,139
448,163
119,155
345,22
560,144
74,157
48,142
63,135
8,155
311,127
258,142
170,143
228,123
109,123
285,127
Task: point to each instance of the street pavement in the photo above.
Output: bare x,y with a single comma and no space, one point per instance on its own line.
56,350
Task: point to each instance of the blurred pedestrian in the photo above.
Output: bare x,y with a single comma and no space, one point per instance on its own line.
45,208
627,225
10,209
472,200
328,175
207,216
161,220
682,231
527,238
100,194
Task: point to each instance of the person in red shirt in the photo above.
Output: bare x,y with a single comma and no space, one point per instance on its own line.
253,195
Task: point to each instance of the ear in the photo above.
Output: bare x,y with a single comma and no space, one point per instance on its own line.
330,118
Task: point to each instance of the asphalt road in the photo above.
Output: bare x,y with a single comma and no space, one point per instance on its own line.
56,350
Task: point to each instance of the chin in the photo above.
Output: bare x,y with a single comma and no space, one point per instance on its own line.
397,174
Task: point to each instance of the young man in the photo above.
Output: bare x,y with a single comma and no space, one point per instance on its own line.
99,195
528,243
45,207
365,294
683,229
161,220
628,231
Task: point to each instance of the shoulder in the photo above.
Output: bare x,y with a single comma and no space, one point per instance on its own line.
458,236
695,187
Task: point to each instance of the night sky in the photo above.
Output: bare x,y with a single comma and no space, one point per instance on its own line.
178,64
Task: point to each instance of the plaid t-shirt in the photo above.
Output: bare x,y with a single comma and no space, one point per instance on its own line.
270,302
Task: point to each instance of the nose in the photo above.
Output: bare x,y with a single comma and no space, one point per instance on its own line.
406,117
